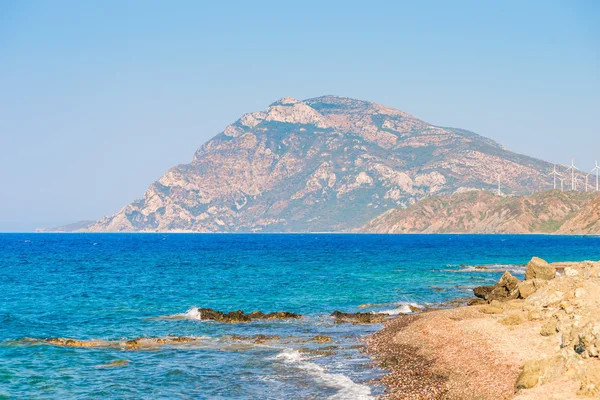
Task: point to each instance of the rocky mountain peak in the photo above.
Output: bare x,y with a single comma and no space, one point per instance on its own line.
324,164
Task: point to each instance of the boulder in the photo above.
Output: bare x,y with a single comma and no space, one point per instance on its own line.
506,289
482,291
538,372
526,289
539,269
358,318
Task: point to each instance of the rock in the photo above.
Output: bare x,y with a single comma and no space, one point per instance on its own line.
539,269
322,339
482,291
570,271
538,372
590,382
112,364
414,309
491,310
588,343
506,289
358,318
257,339
132,344
549,328
526,289
476,302
240,316
512,319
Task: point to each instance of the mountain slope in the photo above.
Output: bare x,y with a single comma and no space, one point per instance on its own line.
485,212
323,164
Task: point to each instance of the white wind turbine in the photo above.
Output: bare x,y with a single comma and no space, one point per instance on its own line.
499,191
555,174
562,182
586,181
597,169
573,168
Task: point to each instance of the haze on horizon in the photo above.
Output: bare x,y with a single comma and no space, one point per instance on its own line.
97,100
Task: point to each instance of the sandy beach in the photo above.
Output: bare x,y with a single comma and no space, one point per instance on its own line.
532,339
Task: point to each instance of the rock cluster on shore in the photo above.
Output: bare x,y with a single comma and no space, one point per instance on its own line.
239,316
538,338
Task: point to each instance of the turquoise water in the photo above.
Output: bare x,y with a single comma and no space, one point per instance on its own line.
117,286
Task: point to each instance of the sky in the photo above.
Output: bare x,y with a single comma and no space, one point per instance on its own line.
99,99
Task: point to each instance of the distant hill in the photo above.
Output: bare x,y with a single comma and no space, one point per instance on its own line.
76,226
485,212
323,164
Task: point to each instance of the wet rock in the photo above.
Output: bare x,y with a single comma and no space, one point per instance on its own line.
132,344
66,342
539,372
317,352
359,317
539,269
414,309
239,316
257,339
321,339
113,364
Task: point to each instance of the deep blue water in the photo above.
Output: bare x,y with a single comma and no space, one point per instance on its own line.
114,286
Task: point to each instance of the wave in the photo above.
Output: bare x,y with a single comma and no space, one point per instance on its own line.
346,387
402,308
193,313
493,268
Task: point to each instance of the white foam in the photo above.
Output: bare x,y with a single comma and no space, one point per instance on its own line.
403,308
347,389
516,269
192,314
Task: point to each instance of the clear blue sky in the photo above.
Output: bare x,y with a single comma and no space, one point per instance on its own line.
99,99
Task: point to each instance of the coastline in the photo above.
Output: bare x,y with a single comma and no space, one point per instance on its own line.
543,346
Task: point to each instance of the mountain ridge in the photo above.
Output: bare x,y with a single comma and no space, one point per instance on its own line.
327,163
485,212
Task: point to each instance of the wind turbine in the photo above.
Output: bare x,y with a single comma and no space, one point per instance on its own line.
573,168
562,186
597,169
555,174
586,181
499,191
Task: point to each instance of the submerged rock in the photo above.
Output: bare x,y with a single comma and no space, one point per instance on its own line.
321,339
239,316
113,364
132,344
359,317
257,339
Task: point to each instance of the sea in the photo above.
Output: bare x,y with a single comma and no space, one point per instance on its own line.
118,287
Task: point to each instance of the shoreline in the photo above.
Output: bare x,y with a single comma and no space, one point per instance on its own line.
539,345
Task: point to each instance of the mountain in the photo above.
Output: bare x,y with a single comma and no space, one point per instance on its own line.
324,164
485,212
